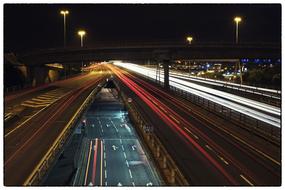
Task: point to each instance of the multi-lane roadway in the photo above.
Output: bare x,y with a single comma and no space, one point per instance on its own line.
207,153
111,153
39,116
260,111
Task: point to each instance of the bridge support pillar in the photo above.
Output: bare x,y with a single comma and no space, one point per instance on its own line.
38,75
166,73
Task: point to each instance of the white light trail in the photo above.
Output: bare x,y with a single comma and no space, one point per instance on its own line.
243,105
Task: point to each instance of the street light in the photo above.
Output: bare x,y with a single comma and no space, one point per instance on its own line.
81,33
189,39
64,13
237,20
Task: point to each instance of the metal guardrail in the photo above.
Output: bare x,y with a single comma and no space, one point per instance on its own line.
42,167
169,170
255,126
259,128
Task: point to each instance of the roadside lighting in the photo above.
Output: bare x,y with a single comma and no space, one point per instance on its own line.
81,33
189,39
64,13
237,20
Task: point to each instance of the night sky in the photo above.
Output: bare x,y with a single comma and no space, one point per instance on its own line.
36,26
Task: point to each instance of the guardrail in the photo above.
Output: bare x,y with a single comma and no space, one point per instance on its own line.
42,167
169,170
259,128
255,126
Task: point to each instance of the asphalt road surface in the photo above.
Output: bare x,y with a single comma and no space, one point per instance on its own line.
112,154
28,138
207,154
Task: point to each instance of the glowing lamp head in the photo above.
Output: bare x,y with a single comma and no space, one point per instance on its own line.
189,39
64,12
81,32
237,19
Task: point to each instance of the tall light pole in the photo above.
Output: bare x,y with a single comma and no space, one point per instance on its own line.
237,20
81,33
64,13
189,39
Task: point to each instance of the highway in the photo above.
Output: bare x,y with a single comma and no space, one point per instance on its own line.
206,153
41,115
260,111
111,153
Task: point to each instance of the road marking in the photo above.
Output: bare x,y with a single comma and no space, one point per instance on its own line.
163,109
88,161
123,148
105,163
37,100
101,176
105,174
221,158
174,119
106,184
121,141
130,172
191,133
102,130
133,184
149,184
127,163
114,147
244,178
134,147
104,155
95,161
125,155
35,106
208,147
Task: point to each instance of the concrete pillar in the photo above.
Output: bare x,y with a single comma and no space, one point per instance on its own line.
166,73
38,75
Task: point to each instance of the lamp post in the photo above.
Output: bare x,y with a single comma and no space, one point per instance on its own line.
64,13
237,20
81,33
189,39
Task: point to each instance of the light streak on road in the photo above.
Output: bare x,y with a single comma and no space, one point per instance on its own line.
243,105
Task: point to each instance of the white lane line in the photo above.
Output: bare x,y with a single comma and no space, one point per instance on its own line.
125,155
121,141
221,158
105,163
133,184
245,179
130,172
106,184
104,155
195,136
105,174
127,163
102,130
104,147
123,148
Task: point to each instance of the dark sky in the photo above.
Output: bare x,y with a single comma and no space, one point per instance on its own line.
36,26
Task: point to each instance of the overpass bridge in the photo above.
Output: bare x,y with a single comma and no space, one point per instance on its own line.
157,52
151,52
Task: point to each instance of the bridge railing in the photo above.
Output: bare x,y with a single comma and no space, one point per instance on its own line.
48,159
